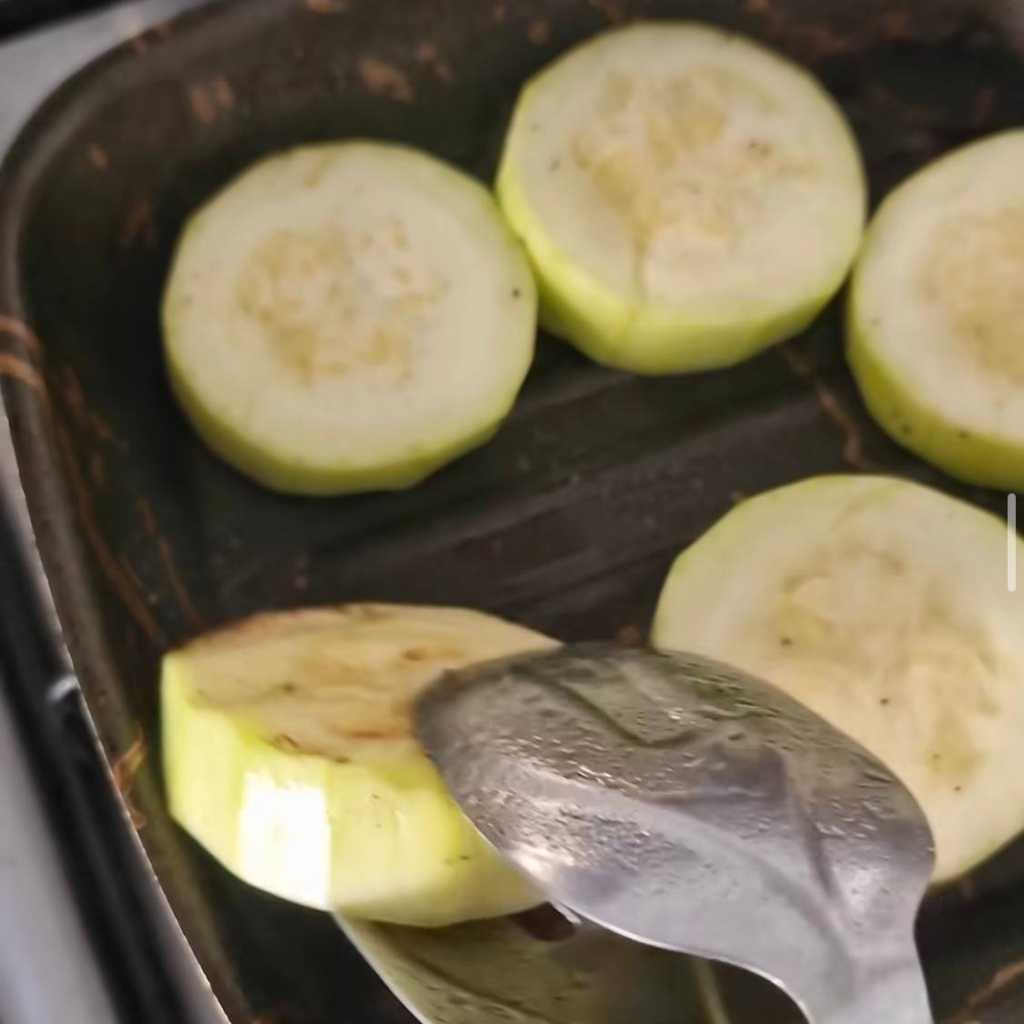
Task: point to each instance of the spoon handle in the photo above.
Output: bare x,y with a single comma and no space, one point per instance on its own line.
895,994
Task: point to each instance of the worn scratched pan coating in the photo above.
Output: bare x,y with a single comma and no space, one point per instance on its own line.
567,521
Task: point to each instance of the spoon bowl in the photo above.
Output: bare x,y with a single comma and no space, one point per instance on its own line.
684,804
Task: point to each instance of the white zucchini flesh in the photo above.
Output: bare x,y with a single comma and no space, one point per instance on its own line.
883,606
288,754
348,317
936,332
687,197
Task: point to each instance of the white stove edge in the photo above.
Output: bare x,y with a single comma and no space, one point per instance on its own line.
48,969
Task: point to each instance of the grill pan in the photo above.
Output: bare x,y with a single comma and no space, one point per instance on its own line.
566,522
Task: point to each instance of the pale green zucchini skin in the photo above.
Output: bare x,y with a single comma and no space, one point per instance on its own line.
348,317
935,338
686,196
288,754
884,606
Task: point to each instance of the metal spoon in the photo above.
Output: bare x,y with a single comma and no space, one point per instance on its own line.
684,804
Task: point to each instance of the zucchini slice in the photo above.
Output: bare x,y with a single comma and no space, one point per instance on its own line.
288,754
884,606
687,197
348,317
935,331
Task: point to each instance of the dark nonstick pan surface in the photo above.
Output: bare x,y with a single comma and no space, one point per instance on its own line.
567,521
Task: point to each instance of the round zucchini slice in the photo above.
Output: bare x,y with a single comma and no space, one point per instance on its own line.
348,317
935,332
289,754
686,196
884,607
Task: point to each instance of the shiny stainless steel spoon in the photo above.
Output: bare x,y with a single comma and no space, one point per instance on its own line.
684,804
